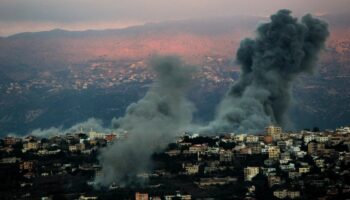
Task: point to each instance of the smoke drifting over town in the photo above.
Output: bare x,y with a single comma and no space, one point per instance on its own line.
282,50
151,123
88,125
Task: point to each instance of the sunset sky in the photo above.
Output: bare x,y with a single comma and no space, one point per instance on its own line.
38,15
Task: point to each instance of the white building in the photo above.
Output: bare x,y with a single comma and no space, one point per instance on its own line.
240,137
252,139
309,138
96,135
322,139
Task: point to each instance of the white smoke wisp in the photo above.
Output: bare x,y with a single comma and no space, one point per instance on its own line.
85,126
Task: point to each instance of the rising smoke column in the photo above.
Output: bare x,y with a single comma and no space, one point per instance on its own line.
282,50
151,123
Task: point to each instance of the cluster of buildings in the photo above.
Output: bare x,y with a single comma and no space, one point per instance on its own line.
99,74
37,164
84,143
284,165
102,73
291,164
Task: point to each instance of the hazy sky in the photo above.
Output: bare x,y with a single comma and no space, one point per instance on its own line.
35,15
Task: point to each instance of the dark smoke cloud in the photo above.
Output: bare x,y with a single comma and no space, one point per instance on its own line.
283,49
151,123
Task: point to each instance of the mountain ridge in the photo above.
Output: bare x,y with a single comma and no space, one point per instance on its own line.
61,80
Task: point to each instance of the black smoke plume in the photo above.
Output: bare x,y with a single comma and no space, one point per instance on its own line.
283,49
151,123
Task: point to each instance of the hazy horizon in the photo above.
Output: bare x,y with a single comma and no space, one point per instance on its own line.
37,15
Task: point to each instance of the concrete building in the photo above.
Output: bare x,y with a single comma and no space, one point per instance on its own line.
240,137
274,180
274,152
197,148
141,196
308,138
95,135
314,148
271,130
178,195
274,131
10,140
293,175
252,139
203,182
110,137
283,194
191,169
83,197
304,170
226,156
322,139
26,165
250,173
30,146
255,149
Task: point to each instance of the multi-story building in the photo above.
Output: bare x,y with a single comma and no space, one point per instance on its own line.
226,156
293,175
95,135
198,148
252,139
303,170
250,173
26,165
320,163
240,137
314,148
34,145
191,169
308,138
322,139
255,148
274,152
76,147
178,196
141,196
271,130
110,137
274,131
10,140
283,194
274,180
